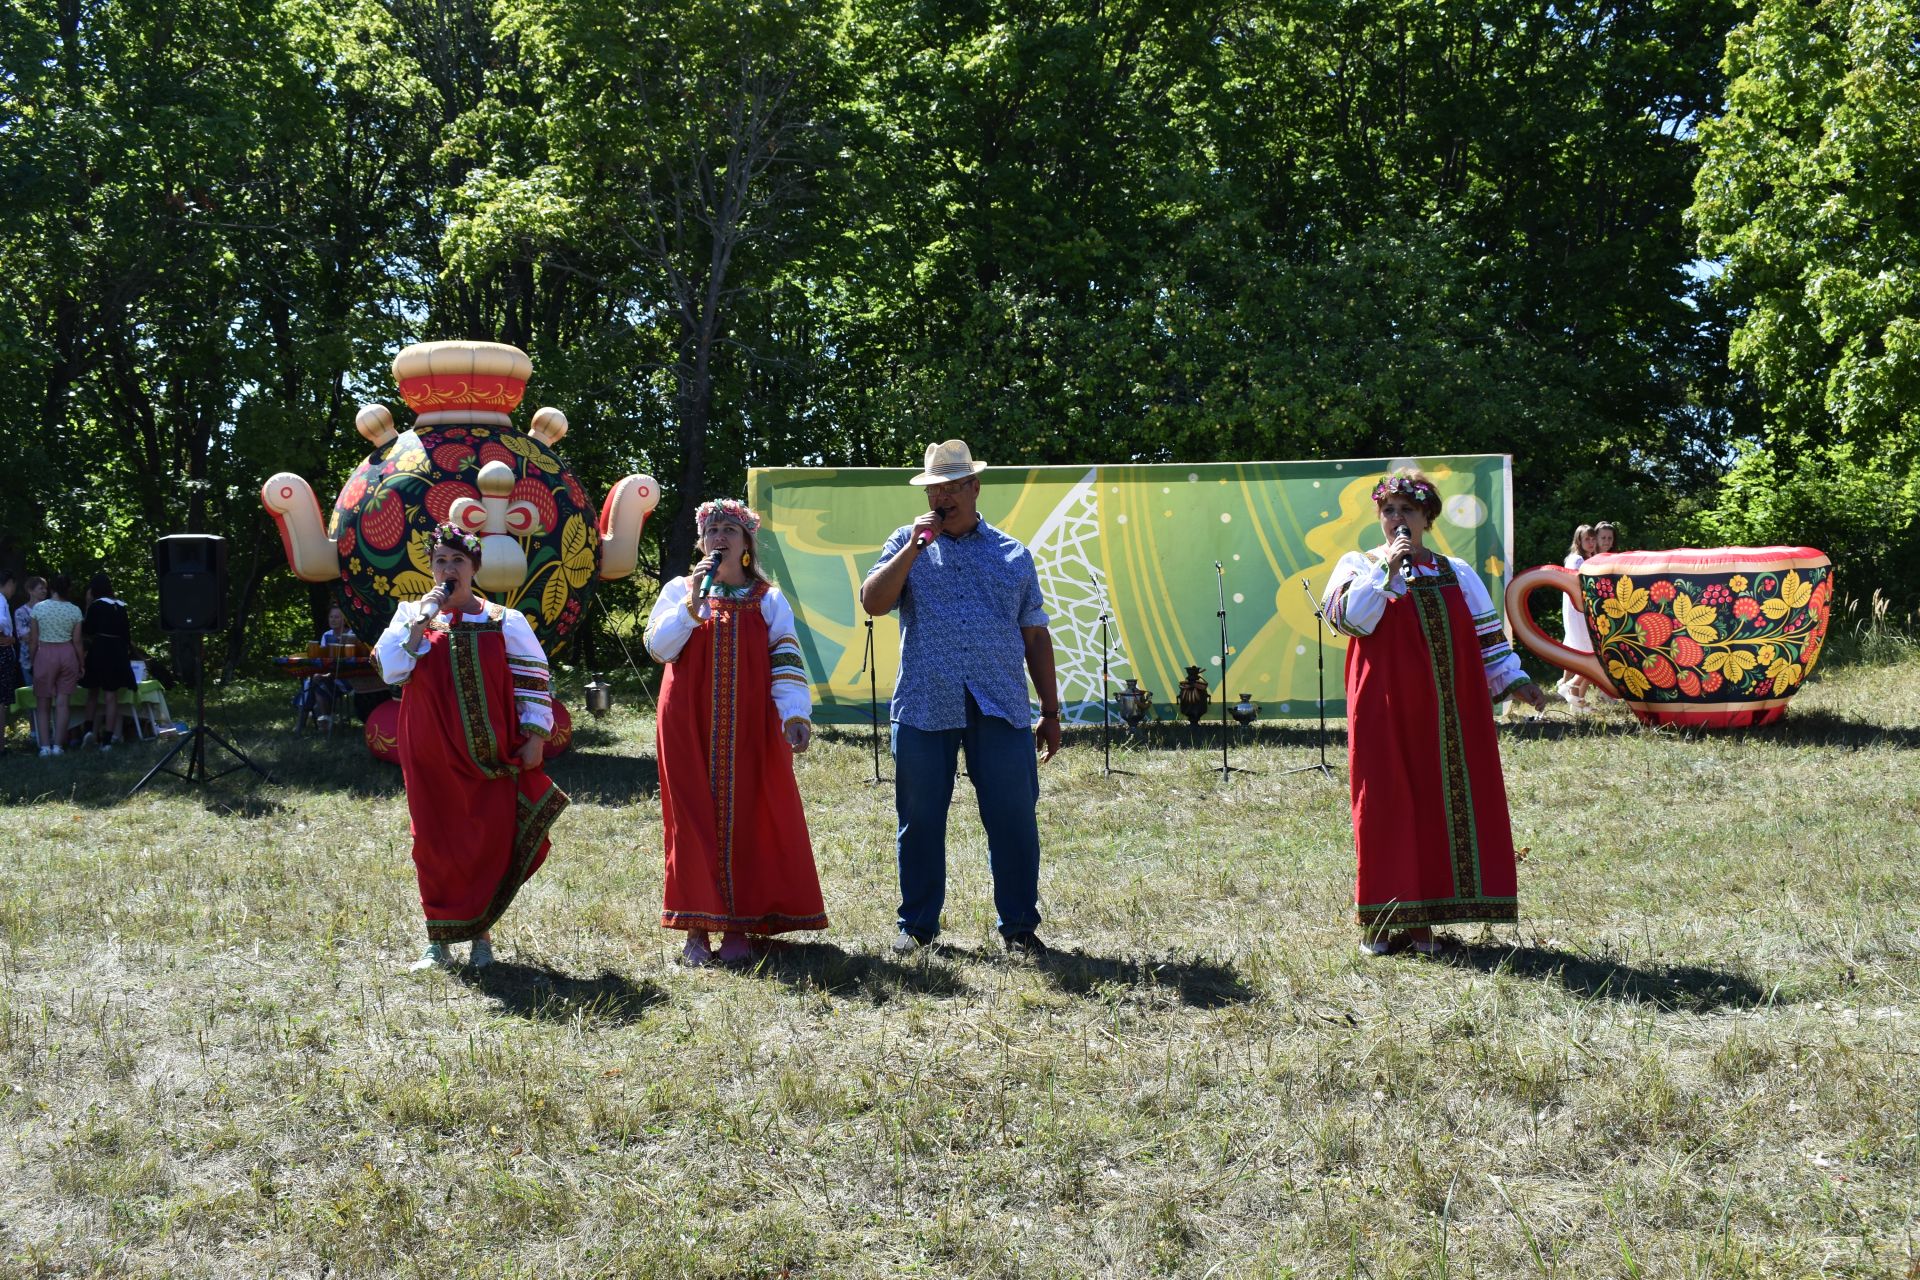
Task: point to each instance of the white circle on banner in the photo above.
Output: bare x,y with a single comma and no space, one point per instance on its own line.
1299,648
1120,519
1466,510
1238,598
1193,477
1215,659
1226,517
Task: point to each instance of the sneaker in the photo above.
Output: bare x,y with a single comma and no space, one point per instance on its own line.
1026,942
59,751
906,943
696,954
481,955
47,751
436,956
1375,946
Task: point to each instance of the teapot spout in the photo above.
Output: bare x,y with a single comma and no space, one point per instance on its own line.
622,518
303,536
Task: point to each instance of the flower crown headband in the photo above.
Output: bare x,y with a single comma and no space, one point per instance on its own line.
453,535
1421,491
726,509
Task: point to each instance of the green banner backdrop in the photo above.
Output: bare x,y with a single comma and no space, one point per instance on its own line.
1139,540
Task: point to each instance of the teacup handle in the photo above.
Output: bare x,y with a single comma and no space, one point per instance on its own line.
1529,634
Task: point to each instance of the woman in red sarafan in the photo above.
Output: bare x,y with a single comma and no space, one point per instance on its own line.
1427,660
474,719
734,707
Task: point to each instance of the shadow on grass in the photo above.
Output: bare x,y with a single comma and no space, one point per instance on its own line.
822,966
1674,988
590,777
1554,728
1200,984
1825,729
546,995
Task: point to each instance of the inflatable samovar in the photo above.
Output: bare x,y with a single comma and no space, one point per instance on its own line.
463,461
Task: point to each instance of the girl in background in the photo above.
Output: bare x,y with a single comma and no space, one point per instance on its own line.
1573,688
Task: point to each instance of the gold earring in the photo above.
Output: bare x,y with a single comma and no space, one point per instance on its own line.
746,559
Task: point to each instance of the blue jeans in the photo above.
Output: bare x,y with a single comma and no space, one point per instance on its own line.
1006,780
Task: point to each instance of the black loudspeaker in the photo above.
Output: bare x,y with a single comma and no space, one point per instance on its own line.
193,582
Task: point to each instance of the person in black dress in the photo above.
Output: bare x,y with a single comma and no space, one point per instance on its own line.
108,667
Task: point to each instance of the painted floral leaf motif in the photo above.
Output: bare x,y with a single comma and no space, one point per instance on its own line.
409,583
1632,679
417,553
1627,599
1783,673
576,551
553,597
1697,620
1775,608
1795,590
1732,663
531,452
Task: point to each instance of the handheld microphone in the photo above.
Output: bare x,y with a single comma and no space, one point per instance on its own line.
926,536
433,610
1406,567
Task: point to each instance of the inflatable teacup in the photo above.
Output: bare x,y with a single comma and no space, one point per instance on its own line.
1715,637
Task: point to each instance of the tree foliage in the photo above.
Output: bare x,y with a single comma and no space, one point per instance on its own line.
1806,191
792,231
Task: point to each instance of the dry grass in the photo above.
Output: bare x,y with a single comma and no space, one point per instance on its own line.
1695,1058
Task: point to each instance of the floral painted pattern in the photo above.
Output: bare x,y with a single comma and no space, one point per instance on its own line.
381,521
1730,638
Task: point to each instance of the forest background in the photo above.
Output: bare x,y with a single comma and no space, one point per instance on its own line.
1660,251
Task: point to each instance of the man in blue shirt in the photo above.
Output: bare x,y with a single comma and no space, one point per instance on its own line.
972,629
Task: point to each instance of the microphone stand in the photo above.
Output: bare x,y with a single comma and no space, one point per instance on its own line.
1220,580
1320,676
873,705
1106,689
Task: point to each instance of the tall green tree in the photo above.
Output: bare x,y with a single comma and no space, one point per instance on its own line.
660,166
1807,194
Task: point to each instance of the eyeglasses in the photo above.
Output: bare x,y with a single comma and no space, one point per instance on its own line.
951,489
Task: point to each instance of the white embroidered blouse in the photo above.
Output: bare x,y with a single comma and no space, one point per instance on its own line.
678,613
532,687
1360,591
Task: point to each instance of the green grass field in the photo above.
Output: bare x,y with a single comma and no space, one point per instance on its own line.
1697,1056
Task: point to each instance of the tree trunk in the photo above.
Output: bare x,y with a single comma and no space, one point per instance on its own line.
243,606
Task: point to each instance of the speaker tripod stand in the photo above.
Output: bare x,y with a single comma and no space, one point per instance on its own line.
195,742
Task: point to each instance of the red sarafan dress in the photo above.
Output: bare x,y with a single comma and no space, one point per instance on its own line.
475,692
738,855
1425,662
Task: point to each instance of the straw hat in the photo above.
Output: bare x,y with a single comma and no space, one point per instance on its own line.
948,460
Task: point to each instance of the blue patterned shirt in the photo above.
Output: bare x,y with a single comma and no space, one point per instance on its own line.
961,612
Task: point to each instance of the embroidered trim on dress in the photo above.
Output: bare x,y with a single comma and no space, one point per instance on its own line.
1463,844
534,819
470,691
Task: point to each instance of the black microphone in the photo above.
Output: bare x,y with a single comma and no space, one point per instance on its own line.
927,536
1401,531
